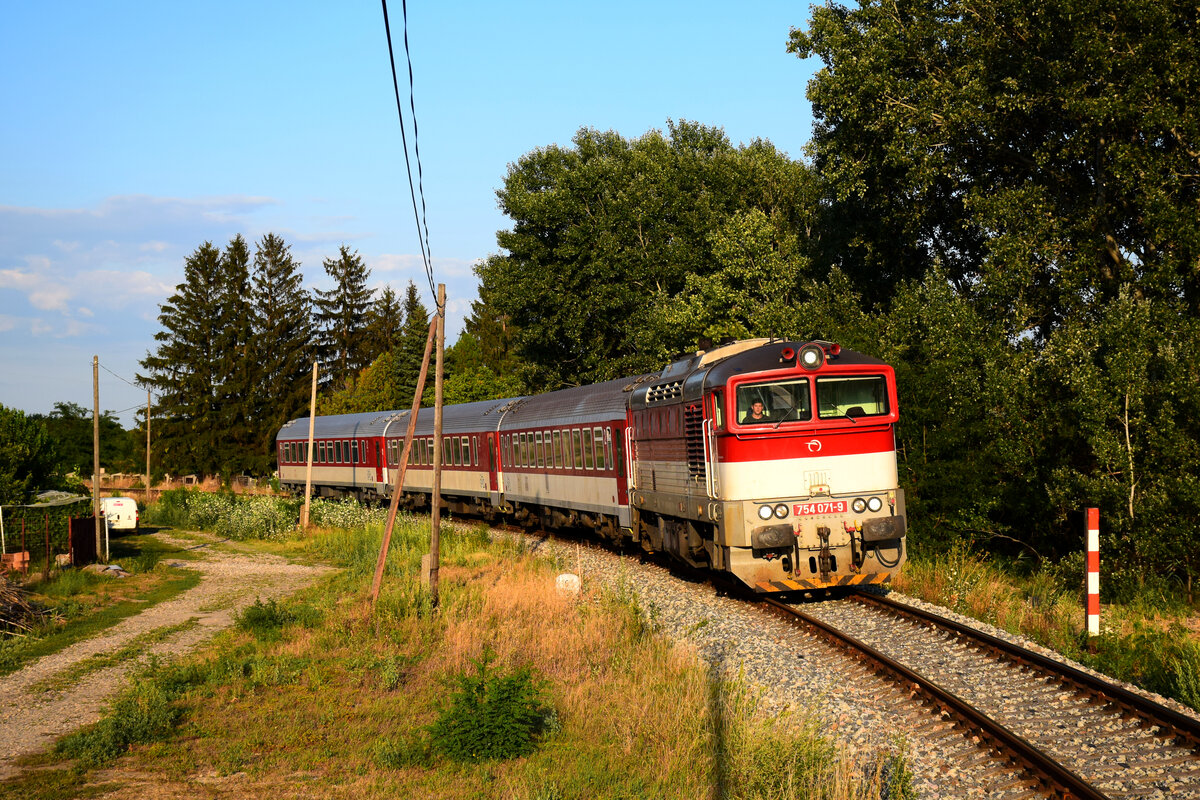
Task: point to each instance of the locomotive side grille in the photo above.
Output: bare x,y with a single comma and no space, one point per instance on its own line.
664,391
693,428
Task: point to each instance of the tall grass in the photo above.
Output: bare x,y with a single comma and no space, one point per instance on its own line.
619,710
1138,643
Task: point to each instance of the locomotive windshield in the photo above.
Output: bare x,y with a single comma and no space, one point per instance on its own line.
773,402
858,396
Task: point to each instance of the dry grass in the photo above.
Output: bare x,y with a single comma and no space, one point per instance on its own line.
306,713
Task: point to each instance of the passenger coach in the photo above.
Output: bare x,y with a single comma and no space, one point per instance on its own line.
774,461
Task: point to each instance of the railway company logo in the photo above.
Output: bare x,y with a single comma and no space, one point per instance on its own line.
814,446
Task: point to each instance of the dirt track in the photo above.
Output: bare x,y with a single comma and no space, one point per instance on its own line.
30,720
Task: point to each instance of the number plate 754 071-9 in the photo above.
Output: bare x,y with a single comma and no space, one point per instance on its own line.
819,507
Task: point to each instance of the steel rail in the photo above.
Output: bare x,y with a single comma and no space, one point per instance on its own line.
1182,725
1055,777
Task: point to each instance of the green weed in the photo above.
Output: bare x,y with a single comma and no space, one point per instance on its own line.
492,716
140,715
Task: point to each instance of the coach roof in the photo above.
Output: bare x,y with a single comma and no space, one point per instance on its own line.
579,405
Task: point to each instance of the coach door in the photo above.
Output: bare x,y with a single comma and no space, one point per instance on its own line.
493,468
379,462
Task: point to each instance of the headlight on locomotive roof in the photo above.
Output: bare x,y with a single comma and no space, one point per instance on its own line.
812,356
781,510
764,512
858,505
874,504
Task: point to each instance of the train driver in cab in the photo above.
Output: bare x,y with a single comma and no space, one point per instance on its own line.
757,413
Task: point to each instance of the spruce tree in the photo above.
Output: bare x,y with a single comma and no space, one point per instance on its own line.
283,344
182,370
385,321
236,371
341,315
411,349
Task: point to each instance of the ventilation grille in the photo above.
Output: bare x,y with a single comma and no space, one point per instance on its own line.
693,429
664,392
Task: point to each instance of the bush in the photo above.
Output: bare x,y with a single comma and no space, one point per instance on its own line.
264,620
140,715
250,517
347,514
492,716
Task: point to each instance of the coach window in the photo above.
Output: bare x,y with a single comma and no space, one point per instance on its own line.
475,452
608,455
466,448
598,441
587,449
447,451
456,450
354,449
558,459
539,457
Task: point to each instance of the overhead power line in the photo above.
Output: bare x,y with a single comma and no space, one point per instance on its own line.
419,214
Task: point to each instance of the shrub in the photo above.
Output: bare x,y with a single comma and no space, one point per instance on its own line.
264,620
140,715
492,716
347,514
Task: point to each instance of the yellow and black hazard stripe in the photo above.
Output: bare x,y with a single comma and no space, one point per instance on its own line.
862,579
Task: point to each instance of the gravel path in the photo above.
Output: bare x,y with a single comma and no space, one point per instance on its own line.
31,719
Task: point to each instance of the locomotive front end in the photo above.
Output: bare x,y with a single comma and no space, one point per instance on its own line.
806,471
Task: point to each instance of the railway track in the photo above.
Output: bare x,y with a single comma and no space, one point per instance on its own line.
1061,731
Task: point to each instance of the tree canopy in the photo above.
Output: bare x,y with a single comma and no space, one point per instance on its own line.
607,233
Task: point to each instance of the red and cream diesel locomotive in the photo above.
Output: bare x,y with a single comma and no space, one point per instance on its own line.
774,461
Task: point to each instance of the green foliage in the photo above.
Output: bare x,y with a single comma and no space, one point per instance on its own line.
341,318
347,514
606,234
235,516
410,352
1162,661
492,716
283,342
264,620
140,715
69,427
26,456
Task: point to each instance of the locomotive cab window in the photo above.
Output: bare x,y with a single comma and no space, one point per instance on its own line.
856,396
773,402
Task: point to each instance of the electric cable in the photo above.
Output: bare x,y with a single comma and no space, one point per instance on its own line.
412,189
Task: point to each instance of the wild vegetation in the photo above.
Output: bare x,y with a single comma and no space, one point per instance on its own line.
509,690
1144,639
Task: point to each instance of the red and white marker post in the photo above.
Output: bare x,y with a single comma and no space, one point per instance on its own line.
1093,571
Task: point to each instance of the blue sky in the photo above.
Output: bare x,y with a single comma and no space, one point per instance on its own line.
134,131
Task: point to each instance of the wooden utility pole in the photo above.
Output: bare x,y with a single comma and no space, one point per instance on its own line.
96,449
147,447
398,485
436,520
312,422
